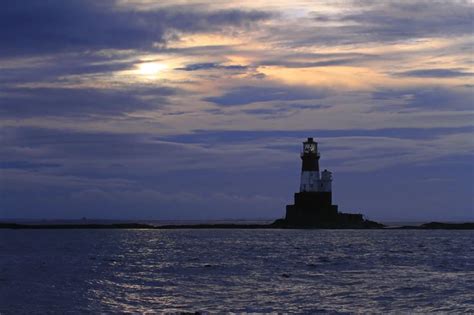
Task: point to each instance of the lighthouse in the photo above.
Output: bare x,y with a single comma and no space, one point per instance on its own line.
313,203
313,206
311,180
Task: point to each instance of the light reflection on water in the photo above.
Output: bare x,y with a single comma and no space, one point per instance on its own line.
236,270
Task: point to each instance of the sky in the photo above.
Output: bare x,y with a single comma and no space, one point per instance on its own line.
141,109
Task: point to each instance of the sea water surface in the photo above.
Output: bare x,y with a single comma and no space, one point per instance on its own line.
300,271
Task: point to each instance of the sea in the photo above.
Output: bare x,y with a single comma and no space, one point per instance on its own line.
236,270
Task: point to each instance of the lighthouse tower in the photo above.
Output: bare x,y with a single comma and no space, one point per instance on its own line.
313,203
311,180
310,166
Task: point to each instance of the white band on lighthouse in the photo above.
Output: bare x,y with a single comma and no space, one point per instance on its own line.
309,181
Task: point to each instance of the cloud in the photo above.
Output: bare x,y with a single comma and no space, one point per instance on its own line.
26,165
67,102
57,67
436,73
371,153
295,137
362,22
309,64
251,94
281,110
210,66
93,153
395,20
440,98
74,25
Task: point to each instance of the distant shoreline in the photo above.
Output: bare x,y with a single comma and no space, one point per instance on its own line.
426,226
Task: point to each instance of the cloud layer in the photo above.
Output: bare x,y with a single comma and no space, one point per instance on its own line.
138,109
82,25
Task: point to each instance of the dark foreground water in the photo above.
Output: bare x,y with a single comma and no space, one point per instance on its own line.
79,271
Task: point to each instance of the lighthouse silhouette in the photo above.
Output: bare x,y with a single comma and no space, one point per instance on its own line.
313,206
313,203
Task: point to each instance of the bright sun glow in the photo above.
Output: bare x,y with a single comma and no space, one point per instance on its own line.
150,68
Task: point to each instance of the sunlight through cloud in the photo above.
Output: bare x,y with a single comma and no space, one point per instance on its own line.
151,68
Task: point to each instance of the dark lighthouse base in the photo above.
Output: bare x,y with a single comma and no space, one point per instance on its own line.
315,210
